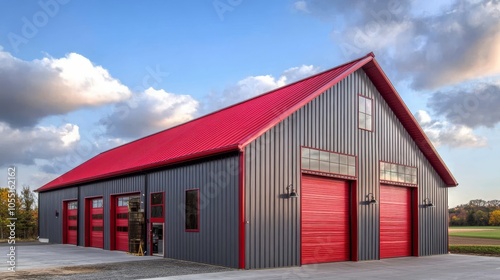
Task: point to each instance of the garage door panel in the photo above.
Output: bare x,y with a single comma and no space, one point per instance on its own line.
325,220
71,222
395,222
97,223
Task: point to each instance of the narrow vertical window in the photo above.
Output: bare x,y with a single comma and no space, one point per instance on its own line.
157,205
365,113
192,210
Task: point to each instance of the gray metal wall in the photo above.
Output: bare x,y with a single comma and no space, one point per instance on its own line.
48,203
217,241
217,178
134,184
330,122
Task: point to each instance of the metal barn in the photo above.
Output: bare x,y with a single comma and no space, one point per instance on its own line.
330,168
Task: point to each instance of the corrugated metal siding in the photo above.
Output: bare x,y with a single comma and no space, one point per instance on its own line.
220,131
217,241
330,122
106,189
50,202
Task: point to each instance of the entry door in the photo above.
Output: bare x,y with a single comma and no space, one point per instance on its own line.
395,222
157,239
71,222
121,223
325,220
96,223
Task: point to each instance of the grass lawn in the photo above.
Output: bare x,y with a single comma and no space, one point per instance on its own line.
477,232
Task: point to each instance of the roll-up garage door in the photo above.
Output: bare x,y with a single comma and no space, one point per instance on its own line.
121,223
395,222
71,222
325,220
96,223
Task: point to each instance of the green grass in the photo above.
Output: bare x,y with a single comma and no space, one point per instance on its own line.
475,250
489,232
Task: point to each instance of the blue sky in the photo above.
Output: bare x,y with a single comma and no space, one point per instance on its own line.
80,77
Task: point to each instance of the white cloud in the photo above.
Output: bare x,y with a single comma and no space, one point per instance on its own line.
448,45
301,6
254,85
93,85
443,133
148,112
25,146
31,90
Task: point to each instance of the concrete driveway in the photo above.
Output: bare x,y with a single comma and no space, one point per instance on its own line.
37,255
433,267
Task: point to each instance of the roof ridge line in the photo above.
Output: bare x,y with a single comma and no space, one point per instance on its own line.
238,103
360,63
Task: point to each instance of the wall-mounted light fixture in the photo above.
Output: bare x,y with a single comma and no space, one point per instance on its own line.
370,199
291,192
57,214
428,202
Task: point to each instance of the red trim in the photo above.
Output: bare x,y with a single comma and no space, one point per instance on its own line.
303,102
414,219
390,95
112,216
198,210
87,214
353,184
112,222
64,216
328,174
242,219
354,220
299,192
65,223
87,221
156,220
372,114
129,171
414,210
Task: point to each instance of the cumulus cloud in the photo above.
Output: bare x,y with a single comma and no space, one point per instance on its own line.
443,133
31,90
25,146
455,44
148,112
475,106
254,85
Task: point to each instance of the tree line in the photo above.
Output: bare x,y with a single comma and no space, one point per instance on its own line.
477,212
25,210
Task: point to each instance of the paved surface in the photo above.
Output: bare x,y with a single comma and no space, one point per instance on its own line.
433,267
37,261
71,262
30,256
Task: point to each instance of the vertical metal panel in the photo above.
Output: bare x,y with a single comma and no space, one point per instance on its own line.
330,122
51,227
133,184
217,241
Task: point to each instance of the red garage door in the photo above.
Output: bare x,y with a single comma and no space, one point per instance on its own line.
121,223
395,222
96,223
70,222
325,220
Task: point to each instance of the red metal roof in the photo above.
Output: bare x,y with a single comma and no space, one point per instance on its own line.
232,128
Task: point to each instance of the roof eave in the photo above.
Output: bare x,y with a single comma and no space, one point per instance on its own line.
395,101
369,57
142,168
